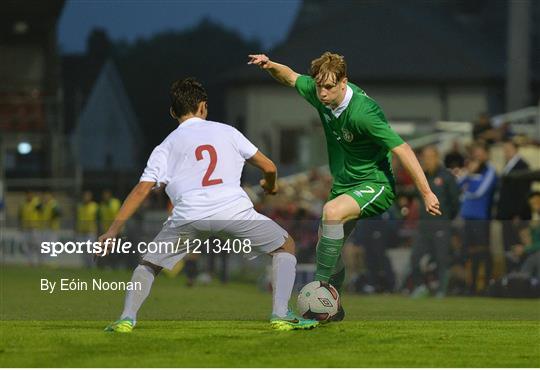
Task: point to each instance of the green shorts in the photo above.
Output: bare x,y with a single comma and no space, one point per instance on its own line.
373,198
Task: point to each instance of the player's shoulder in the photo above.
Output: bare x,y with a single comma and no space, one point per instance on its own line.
201,125
222,128
361,103
305,79
305,84
220,125
360,98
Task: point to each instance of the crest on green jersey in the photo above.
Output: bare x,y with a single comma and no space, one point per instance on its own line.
347,135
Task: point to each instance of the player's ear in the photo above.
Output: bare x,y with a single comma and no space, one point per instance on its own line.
171,112
344,81
202,108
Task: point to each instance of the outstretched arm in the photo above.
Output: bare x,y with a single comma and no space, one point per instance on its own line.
409,161
129,207
280,72
269,169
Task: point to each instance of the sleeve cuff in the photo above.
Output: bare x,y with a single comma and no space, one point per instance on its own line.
254,152
146,178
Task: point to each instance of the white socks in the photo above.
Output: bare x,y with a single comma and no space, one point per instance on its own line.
135,298
333,230
283,275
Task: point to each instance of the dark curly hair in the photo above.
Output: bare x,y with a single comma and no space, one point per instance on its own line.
186,95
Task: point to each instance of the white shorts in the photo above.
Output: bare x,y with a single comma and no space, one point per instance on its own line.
264,235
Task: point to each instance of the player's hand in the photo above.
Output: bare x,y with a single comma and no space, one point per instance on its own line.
432,204
106,246
267,189
260,60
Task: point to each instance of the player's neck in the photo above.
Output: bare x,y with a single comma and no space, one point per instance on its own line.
188,116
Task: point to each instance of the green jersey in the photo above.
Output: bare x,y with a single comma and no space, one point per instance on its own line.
358,137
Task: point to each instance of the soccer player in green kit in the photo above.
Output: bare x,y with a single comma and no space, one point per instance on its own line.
360,144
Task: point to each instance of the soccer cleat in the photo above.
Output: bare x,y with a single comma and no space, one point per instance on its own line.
292,322
339,316
124,325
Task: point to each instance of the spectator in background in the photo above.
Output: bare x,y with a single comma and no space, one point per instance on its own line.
478,186
108,209
434,233
374,235
30,224
408,211
512,199
531,249
525,256
403,179
505,131
484,131
87,213
454,159
50,216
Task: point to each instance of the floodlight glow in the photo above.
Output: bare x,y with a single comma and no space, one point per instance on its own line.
20,27
24,148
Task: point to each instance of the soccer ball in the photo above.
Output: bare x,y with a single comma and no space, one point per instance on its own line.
318,300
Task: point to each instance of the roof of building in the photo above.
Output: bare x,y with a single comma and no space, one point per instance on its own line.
107,134
79,74
387,40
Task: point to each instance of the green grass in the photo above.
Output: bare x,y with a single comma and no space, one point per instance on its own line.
226,326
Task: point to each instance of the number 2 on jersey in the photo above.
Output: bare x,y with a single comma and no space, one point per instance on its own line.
206,181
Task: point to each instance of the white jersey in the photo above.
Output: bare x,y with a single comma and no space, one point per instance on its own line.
201,163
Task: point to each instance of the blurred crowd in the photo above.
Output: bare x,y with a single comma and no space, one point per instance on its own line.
40,219
451,254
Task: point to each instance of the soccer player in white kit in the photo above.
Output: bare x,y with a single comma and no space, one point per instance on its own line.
201,163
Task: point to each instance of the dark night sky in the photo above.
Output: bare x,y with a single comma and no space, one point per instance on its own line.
267,20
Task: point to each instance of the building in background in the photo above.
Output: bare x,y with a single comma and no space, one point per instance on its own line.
107,139
104,133
50,103
30,90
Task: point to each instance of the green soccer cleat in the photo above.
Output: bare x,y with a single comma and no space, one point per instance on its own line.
292,322
124,325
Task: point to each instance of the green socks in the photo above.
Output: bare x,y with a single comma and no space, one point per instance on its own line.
328,251
337,279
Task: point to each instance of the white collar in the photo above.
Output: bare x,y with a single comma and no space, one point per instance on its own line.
511,164
344,104
190,121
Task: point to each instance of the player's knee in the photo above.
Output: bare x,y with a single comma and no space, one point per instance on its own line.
331,212
288,246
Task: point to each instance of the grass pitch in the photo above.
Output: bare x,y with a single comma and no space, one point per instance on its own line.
227,326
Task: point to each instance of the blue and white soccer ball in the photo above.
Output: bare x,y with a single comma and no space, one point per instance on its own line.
318,300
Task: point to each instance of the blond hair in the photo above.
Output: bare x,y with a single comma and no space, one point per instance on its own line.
327,65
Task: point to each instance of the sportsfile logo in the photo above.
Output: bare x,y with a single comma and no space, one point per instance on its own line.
119,246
